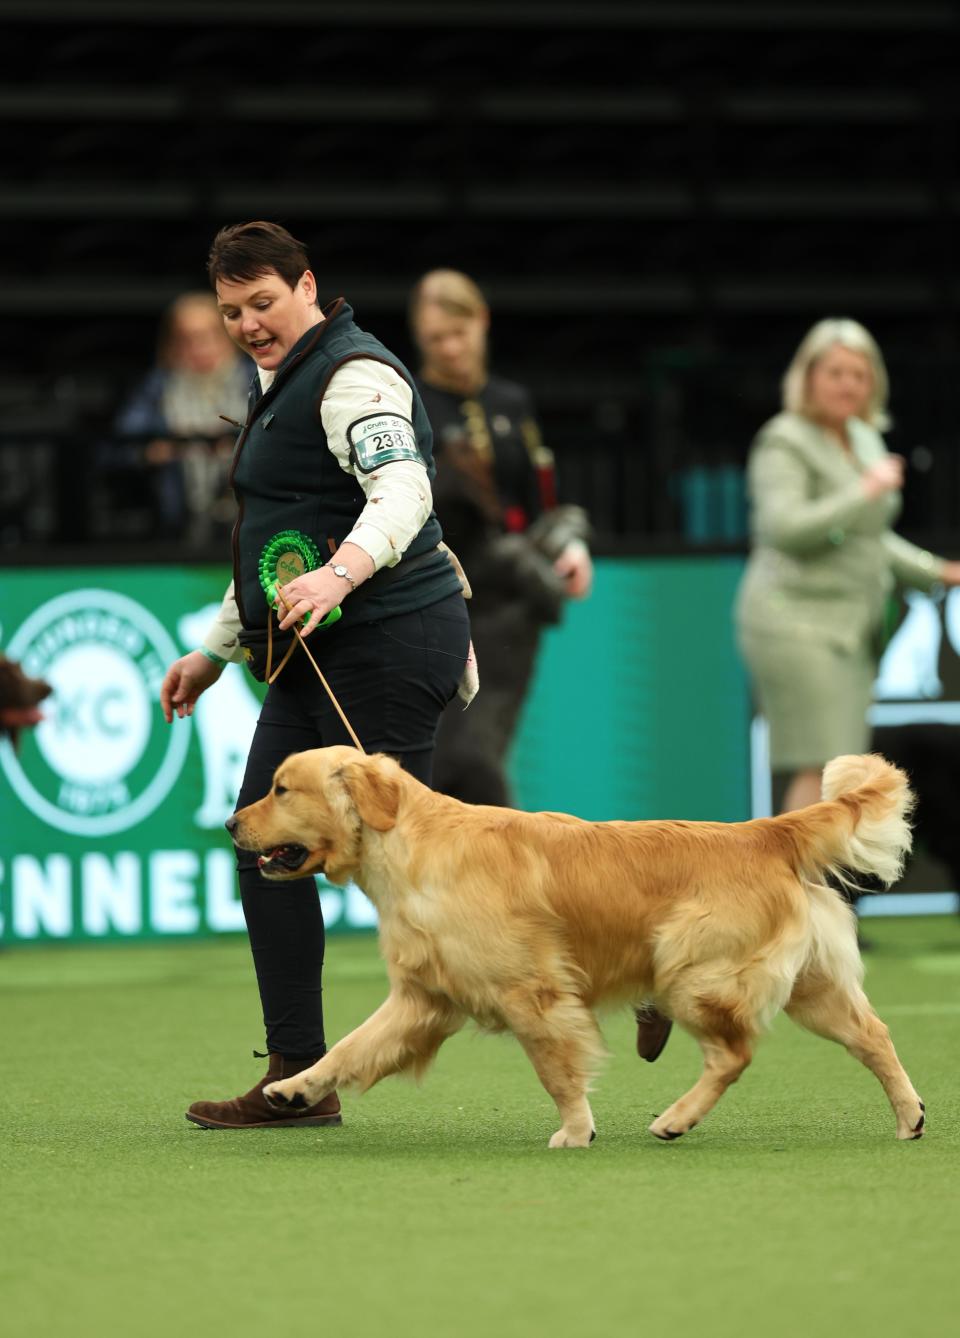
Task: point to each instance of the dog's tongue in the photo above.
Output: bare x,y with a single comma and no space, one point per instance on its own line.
288,857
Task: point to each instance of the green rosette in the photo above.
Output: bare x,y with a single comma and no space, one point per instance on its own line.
288,555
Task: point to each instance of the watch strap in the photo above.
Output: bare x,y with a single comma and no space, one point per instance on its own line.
340,570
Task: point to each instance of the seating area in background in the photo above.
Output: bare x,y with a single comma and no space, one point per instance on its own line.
657,204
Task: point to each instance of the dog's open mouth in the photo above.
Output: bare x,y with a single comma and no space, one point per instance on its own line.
287,858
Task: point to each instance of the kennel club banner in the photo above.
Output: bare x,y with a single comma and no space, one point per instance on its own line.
111,820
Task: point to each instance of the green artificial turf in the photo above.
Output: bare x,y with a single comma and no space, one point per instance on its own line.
438,1210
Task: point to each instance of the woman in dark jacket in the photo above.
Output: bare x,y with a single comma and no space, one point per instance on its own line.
332,471
495,495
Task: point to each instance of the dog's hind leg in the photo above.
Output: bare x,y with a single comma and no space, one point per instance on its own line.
403,1035
560,1036
845,1016
727,1050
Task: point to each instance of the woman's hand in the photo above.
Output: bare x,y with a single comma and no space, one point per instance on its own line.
884,476
184,681
950,575
576,568
316,593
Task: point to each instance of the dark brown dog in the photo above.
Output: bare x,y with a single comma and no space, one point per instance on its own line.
20,697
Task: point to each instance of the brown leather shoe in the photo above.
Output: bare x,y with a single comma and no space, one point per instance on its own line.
252,1112
653,1031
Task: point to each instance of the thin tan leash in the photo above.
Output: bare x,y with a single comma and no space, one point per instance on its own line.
326,686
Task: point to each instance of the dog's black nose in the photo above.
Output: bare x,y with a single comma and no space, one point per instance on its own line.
231,823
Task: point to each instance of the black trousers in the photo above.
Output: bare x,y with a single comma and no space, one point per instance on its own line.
472,746
392,678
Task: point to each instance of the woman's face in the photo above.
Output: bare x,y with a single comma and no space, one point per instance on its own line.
454,348
839,385
265,317
197,341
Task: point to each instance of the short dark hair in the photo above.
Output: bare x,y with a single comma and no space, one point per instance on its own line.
244,251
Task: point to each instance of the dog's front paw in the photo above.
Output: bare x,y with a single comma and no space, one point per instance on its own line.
285,1095
670,1126
910,1125
565,1138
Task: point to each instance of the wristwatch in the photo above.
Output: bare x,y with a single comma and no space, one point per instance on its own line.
340,570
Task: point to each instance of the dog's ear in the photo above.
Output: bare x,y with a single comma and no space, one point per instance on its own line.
373,784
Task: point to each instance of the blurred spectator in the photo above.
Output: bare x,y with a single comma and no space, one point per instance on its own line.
20,698
172,426
812,605
495,496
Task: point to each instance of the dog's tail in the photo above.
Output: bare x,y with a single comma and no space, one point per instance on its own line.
861,827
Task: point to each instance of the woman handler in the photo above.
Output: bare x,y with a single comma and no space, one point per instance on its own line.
333,466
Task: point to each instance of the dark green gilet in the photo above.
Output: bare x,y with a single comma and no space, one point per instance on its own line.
286,478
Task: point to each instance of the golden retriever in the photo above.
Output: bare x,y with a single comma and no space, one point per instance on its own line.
528,921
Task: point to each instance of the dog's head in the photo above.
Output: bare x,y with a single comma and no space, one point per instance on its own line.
314,817
20,698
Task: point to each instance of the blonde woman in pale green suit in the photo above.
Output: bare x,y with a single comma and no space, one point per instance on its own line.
824,492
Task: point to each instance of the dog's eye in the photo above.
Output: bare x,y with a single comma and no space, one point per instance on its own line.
279,789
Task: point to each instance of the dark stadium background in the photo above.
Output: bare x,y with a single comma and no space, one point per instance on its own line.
659,199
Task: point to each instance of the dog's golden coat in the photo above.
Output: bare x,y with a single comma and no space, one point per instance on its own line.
527,921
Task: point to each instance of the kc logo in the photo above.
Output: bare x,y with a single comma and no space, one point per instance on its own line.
103,758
